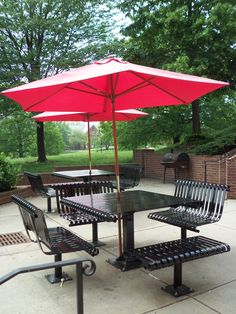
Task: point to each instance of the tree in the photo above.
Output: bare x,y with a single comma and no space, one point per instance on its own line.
17,134
53,139
65,132
196,37
78,139
43,37
105,137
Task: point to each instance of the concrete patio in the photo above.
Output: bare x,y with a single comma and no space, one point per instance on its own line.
109,290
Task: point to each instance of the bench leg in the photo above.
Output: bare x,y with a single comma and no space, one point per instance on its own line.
95,240
49,202
177,289
58,276
183,233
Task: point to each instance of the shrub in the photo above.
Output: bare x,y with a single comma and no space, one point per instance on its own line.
8,173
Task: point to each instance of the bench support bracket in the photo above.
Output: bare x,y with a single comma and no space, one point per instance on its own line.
177,289
58,276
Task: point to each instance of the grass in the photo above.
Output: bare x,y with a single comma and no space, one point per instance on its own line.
79,158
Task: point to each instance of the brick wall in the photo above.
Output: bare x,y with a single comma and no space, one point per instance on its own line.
200,166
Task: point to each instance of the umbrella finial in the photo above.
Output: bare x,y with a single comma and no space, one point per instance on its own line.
109,59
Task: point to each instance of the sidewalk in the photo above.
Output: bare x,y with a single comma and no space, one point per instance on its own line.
109,290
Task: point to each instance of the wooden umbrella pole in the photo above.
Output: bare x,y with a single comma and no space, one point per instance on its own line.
89,149
117,175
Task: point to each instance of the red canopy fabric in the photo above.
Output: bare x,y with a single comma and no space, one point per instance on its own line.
96,86
121,115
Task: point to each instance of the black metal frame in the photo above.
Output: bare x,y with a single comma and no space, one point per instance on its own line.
79,217
87,270
175,253
209,209
56,240
129,176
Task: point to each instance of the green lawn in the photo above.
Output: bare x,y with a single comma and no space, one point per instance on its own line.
79,158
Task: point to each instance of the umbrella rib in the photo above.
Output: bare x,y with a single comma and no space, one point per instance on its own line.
158,87
99,92
87,92
44,99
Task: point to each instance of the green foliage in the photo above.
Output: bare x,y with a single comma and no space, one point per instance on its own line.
53,139
219,143
8,173
17,134
105,137
40,38
65,133
196,37
78,139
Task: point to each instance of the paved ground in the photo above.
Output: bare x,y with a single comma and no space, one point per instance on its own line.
110,290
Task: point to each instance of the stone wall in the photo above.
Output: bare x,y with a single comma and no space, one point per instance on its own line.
201,167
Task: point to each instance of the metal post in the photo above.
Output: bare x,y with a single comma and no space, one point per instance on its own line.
183,233
58,270
49,204
128,231
95,232
177,275
79,288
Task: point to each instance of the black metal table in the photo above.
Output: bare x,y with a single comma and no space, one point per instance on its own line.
129,203
83,174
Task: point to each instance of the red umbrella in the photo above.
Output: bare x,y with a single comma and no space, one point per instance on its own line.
102,85
121,115
111,85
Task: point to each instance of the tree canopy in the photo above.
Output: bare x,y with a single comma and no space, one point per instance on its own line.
196,37
44,37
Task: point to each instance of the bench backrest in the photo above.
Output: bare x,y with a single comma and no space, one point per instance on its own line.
34,221
130,175
80,188
35,181
211,195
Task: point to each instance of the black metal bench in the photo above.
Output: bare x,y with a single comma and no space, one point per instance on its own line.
57,240
37,186
174,253
129,176
78,217
209,210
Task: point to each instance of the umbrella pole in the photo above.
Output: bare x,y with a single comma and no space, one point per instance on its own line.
89,149
117,175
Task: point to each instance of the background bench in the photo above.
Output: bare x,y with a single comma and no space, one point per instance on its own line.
37,186
52,241
129,176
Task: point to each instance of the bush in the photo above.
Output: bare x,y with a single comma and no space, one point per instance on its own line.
8,173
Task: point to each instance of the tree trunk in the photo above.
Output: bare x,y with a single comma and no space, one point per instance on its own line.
196,129
40,142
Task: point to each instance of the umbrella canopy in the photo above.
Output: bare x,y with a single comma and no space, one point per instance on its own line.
122,115
96,87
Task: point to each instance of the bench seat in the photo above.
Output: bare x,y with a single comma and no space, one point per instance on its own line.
211,199
174,253
52,241
78,216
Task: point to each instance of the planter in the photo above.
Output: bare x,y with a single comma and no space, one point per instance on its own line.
5,197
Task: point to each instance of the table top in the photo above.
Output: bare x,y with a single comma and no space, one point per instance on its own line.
73,174
130,201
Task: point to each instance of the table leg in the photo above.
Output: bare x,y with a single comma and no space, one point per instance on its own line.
128,232
125,262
